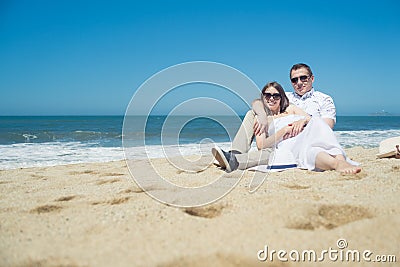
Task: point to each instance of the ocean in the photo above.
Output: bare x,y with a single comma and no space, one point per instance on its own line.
31,141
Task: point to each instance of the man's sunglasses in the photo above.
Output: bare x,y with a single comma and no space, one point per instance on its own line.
302,78
276,96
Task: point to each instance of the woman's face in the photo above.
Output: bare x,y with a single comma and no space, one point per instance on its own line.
272,99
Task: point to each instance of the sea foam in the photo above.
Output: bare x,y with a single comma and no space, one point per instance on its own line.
23,155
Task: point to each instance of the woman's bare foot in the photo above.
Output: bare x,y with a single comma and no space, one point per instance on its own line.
346,168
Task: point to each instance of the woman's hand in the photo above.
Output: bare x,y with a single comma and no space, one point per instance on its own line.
286,131
297,127
265,141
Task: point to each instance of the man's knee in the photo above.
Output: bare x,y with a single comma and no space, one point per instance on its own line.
250,113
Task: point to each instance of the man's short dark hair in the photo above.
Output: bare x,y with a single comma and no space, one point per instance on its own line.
300,66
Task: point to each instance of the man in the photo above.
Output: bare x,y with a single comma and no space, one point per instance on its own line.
304,96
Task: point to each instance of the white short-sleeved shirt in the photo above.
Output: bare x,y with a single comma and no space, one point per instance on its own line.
314,103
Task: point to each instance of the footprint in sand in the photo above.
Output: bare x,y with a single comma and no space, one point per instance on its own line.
46,209
66,198
83,172
295,186
111,174
205,212
133,190
109,181
53,261
148,188
115,201
37,176
328,217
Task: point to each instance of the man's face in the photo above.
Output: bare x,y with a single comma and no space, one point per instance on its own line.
301,81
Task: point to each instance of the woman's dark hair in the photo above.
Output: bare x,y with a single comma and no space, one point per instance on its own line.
284,99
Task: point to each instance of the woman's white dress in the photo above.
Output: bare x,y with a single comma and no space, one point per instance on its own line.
316,137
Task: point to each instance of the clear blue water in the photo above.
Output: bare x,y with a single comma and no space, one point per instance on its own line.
50,140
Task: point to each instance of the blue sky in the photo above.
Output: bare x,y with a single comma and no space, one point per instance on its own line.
89,57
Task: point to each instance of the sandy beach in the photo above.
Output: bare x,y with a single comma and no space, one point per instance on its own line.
94,215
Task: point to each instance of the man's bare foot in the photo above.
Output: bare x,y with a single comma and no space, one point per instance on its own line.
346,168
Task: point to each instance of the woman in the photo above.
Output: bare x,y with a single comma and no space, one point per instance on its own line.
314,148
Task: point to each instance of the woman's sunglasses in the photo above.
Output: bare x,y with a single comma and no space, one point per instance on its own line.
302,78
276,96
